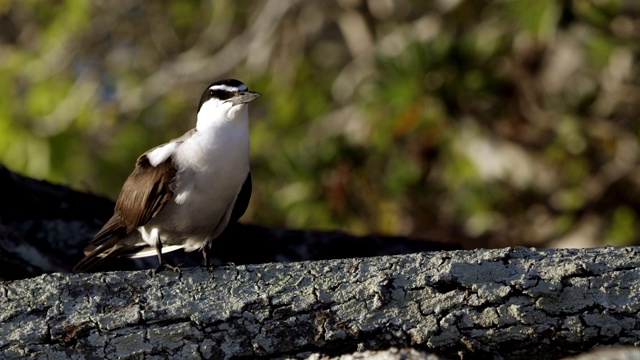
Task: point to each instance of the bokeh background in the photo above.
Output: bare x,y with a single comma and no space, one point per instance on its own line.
484,123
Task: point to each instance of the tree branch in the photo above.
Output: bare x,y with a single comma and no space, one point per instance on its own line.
508,302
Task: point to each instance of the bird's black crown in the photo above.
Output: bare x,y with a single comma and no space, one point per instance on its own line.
223,90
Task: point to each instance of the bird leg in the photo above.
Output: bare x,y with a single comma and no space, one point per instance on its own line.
161,263
204,255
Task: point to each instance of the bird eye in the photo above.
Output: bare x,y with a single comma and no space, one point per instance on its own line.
220,94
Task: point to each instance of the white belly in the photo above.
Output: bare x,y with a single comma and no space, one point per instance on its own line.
193,222
211,172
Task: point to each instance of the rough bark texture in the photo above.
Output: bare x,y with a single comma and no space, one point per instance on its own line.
507,303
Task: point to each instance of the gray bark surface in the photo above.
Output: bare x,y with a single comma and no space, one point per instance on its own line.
505,303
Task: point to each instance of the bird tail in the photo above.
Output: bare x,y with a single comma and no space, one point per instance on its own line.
97,255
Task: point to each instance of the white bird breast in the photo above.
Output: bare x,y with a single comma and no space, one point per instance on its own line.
212,166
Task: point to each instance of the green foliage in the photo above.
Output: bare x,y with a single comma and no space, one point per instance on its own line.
495,123
622,228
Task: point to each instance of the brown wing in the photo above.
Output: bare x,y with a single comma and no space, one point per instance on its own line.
145,192
143,195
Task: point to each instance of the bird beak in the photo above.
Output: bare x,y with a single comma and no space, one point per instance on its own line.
244,97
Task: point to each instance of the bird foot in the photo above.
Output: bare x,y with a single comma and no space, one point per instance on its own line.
163,266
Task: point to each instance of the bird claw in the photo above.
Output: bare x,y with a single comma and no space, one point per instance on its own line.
163,266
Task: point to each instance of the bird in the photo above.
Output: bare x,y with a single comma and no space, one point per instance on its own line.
184,193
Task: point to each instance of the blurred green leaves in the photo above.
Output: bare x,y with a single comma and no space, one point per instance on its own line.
537,18
489,123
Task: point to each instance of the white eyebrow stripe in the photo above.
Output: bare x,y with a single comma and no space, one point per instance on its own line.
242,87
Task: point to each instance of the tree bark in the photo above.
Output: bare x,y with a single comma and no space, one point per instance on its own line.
507,303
